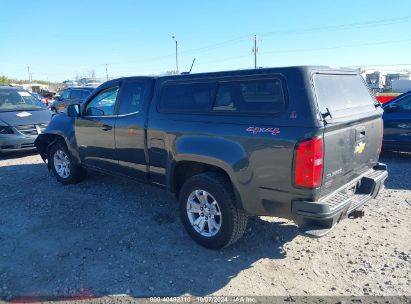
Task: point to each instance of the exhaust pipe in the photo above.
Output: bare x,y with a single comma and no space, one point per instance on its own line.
356,214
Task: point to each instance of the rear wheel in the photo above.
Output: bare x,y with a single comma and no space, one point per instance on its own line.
62,166
208,211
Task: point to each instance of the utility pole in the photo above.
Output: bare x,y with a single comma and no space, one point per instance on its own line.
28,73
174,38
255,50
106,71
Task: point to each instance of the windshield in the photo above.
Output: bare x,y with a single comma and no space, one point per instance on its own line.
13,100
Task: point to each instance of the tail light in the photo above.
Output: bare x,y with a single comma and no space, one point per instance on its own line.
381,137
309,163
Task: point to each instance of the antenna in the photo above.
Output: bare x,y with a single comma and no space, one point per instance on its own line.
192,65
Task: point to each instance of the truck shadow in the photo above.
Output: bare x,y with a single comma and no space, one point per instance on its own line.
17,154
110,236
399,176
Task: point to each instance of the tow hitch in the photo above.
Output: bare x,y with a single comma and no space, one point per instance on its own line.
356,214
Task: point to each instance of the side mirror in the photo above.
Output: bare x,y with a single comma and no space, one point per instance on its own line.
73,110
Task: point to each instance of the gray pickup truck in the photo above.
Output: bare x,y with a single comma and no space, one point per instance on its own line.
300,143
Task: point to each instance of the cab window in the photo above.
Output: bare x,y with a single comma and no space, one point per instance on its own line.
132,97
103,104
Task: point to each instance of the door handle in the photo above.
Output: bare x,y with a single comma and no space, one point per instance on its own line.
106,128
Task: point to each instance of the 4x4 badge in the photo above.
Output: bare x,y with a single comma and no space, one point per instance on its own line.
255,130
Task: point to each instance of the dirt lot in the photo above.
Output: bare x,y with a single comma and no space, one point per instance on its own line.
110,236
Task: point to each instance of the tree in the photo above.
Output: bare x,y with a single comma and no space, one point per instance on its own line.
4,80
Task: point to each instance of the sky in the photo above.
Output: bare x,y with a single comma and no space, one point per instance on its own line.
59,40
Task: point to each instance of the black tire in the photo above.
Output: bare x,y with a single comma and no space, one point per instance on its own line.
234,220
76,172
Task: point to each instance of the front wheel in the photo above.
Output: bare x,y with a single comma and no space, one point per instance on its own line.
62,166
208,211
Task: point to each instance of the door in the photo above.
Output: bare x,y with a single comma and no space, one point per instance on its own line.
95,130
129,128
397,123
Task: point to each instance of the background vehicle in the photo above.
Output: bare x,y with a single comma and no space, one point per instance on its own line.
397,123
93,82
69,83
232,144
43,99
22,118
70,96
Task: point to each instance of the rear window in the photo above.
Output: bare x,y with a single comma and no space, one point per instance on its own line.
78,94
339,94
187,97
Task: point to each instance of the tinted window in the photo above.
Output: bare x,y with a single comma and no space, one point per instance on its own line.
85,94
404,104
132,97
342,92
103,103
187,97
76,94
250,96
65,94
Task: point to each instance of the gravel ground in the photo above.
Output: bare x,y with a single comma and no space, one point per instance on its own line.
108,236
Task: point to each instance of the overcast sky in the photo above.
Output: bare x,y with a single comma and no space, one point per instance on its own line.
61,39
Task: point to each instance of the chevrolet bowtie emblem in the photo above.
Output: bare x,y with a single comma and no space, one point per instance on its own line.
359,148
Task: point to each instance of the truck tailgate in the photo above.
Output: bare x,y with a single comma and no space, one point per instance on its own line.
350,149
353,128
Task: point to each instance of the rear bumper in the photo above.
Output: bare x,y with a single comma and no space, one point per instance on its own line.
317,218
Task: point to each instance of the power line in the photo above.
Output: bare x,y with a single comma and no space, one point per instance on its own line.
306,50
337,47
381,22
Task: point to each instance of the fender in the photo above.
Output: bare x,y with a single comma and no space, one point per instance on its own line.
60,127
220,152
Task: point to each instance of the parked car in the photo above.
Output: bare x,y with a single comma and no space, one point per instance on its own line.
232,145
43,99
397,123
69,83
22,118
93,82
70,96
